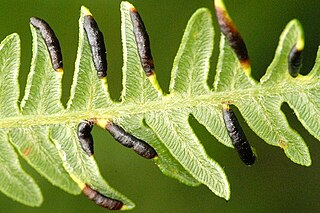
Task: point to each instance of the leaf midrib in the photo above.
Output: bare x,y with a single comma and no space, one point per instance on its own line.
168,102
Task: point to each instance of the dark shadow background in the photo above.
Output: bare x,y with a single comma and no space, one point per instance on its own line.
274,184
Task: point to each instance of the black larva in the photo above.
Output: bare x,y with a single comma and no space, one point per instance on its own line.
232,34
96,42
128,140
142,41
102,200
294,61
237,136
51,41
85,137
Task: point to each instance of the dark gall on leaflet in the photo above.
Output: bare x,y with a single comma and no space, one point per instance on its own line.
233,36
85,137
96,42
102,200
142,41
128,140
51,41
295,61
237,136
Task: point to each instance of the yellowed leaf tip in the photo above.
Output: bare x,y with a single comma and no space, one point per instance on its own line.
127,5
85,11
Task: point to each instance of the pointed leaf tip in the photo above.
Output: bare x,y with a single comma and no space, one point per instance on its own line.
85,11
220,4
127,5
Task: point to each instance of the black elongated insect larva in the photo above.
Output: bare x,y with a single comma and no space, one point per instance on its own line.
96,42
237,136
232,34
142,41
85,137
102,200
295,59
51,41
128,140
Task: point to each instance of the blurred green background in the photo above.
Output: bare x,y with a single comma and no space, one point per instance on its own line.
273,184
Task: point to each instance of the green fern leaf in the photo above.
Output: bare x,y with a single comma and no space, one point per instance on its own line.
44,132
14,182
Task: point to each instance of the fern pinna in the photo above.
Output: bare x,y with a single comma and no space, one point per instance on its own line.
57,141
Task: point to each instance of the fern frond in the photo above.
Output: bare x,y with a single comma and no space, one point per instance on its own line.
44,132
